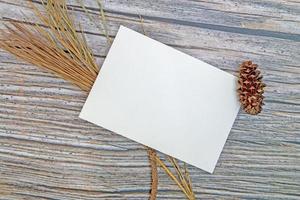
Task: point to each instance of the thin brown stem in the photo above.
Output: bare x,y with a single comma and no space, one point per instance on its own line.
154,174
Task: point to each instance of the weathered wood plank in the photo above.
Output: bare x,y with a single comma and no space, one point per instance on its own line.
47,152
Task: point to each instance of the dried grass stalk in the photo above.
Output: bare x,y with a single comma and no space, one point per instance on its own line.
154,174
58,48
102,17
181,178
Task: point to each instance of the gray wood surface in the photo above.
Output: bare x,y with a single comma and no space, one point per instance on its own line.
47,152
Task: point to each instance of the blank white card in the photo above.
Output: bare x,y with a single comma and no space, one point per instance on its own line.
164,99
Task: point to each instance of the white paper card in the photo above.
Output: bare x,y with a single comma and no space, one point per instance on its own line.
163,98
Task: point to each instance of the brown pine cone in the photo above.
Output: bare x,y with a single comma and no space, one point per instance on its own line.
250,88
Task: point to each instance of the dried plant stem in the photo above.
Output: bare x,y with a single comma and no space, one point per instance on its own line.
154,175
34,48
58,48
102,17
104,21
182,180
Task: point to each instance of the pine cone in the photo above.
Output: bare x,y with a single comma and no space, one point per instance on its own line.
251,88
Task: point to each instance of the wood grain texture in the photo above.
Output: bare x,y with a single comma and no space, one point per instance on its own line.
47,152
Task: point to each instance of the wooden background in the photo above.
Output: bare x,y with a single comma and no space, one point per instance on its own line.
47,152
